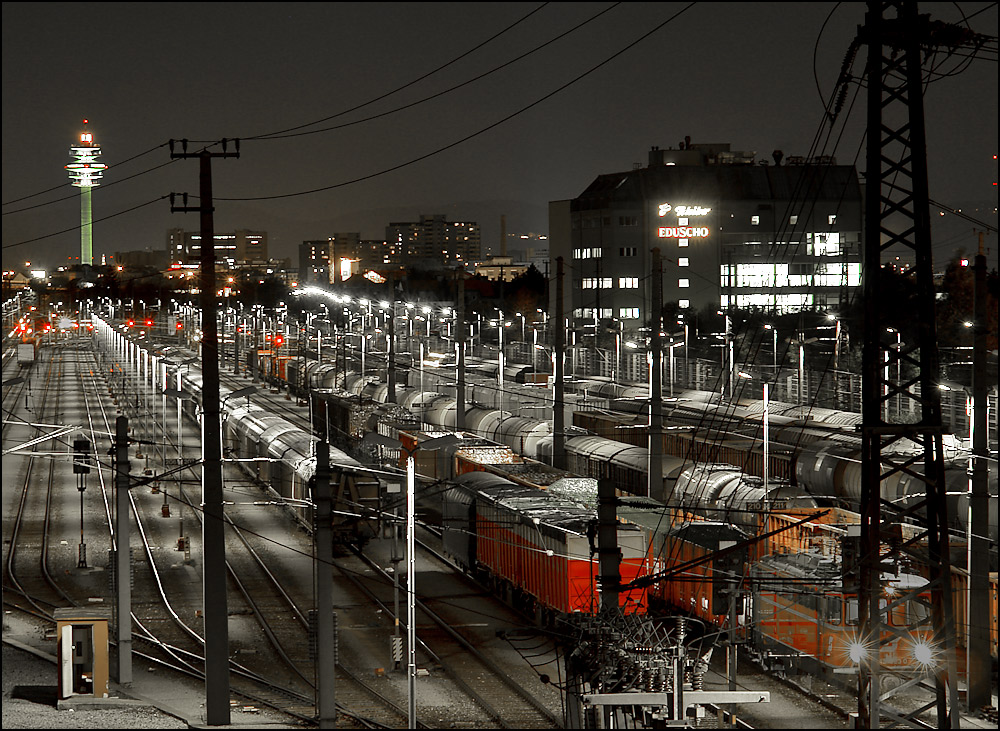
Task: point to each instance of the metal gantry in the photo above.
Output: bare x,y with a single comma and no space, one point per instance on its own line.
898,219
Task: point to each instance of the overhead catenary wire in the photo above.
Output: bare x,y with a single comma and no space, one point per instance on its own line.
285,134
278,132
407,163
475,134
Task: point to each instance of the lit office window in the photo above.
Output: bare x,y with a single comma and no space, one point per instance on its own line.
683,283
684,304
754,220
628,282
831,219
793,220
682,242
629,313
682,262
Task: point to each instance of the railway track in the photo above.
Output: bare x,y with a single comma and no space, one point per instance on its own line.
501,701
32,522
277,673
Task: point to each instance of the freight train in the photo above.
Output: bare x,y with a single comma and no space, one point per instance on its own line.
534,549
815,454
280,457
534,546
793,611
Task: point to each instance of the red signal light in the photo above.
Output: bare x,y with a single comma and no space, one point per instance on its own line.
180,325
278,340
149,323
131,323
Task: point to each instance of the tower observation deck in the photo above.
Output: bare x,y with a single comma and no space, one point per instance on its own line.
84,172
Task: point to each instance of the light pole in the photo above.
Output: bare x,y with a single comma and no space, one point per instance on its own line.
801,342
673,345
765,467
774,351
899,371
180,395
411,596
500,324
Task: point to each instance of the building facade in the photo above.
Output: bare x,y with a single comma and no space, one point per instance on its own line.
231,249
731,231
433,242
339,257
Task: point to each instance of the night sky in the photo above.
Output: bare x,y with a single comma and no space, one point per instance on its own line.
143,73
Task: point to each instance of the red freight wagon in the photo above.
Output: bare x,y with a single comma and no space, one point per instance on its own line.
534,547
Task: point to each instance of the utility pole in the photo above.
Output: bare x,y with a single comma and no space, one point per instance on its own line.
214,578
326,707
123,564
559,416
460,347
898,218
655,472
609,555
390,361
979,661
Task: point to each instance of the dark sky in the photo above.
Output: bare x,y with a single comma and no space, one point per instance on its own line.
143,73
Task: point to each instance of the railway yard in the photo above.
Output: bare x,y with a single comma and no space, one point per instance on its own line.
512,626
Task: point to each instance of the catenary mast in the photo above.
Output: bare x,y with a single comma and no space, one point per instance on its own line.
85,171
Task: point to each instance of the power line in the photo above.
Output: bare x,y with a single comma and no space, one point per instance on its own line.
474,134
106,185
278,136
96,220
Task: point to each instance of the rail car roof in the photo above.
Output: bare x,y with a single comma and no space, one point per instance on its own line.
600,448
708,533
252,421
538,506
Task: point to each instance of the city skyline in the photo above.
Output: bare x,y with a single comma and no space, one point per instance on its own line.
210,71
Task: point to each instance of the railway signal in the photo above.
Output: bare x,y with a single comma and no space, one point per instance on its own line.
81,467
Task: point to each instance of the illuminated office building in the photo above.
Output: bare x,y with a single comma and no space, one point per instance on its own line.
732,231
232,248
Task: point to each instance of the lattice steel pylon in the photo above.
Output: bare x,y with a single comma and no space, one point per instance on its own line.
910,536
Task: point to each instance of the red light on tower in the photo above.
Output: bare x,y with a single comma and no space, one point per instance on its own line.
180,325
278,340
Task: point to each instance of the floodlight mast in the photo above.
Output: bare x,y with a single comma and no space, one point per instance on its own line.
85,171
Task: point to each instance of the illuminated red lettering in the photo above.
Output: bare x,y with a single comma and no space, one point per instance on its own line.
682,232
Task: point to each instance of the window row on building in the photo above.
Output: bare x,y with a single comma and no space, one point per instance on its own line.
702,206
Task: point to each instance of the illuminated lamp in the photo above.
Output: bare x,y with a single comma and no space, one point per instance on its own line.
923,653
857,652
84,172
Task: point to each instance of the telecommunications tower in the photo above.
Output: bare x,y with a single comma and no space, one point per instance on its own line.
84,171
